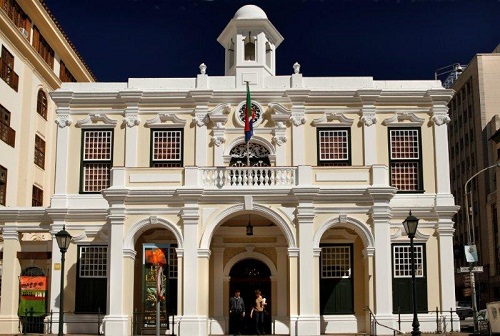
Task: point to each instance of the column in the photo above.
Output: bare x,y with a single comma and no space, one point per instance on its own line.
369,119
218,299
281,296
191,322
381,215
445,232
131,121
116,322
63,120
309,321
10,280
293,259
201,99
298,119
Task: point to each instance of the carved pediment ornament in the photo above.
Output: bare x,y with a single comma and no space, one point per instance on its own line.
402,116
329,117
94,118
131,119
161,119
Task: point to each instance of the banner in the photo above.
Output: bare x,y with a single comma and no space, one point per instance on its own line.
155,278
33,295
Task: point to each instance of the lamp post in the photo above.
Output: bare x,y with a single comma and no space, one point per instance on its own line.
63,240
410,224
471,240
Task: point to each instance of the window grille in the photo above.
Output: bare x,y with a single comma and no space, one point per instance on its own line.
41,104
93,262
402,261
37,197
97,159
3,185
335,262
333,147
39,152
405,156
172,263
166,148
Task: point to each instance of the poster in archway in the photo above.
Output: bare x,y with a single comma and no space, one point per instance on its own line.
155,281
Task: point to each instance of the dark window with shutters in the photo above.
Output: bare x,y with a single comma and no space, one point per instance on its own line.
37,197
402,279
41,104
43,48
336,279
3,184
65,75
7,134
91,279
39,152
7,69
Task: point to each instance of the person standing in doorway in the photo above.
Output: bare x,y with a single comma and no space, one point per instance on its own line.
236,313
258,311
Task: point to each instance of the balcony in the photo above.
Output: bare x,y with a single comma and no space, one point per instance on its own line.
9,76
7,134
252,178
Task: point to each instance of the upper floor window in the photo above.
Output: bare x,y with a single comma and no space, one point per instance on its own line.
405,159
334,147
65,75
37,197
7,134
259,155
3,184
166,147
97,159
39,152
43,48
249,48
41,104
7,69
17,15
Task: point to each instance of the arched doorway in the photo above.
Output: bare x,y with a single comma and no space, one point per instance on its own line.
248,275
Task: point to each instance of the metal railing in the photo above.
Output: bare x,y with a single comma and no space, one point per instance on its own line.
374,323
41,322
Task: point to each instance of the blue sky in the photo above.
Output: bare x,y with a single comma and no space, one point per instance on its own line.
389,39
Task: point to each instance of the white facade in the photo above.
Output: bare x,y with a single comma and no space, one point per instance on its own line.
327,233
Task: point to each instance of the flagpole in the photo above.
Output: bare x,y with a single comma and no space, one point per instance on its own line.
248,153
247,112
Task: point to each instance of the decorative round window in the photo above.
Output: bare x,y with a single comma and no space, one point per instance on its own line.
256,112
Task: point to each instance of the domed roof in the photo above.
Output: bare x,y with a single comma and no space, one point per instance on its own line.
250,12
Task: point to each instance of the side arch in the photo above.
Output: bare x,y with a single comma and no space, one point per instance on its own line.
148,223
257,209
348,222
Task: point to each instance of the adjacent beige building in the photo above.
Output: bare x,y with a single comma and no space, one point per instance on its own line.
472,149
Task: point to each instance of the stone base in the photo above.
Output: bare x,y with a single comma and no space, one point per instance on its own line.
9,324
116,325
193,325
308,325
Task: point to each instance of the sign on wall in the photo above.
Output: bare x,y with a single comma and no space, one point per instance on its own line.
33,295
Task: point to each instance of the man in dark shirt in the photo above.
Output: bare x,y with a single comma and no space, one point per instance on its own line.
236,313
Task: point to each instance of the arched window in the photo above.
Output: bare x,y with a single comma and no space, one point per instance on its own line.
41,104
249,49
259,156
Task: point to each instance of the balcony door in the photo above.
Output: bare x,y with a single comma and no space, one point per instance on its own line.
259,156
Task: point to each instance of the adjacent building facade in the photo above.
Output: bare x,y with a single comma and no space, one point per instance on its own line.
158,188
474,122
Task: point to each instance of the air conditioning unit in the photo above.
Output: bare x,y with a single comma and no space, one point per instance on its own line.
24,32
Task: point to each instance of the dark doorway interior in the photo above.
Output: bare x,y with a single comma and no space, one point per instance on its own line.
247,276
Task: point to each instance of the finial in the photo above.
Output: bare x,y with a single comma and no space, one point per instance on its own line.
203,68
296,68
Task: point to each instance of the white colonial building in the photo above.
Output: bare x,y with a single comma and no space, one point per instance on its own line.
154,171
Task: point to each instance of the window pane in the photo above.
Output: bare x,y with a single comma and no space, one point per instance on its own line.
335,262
96,176
167,145
404,144
402,261
97,145
93,262
404,175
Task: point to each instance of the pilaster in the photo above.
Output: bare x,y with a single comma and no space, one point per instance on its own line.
218,297
298,119
116,322
63,121
308,321
381,215
201,99
10,280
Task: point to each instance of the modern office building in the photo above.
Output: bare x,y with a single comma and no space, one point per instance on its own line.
158,188
472,149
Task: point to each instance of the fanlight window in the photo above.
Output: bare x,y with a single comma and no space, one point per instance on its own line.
259,156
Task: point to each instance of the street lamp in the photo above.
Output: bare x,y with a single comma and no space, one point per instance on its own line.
410,224
63,240
471,240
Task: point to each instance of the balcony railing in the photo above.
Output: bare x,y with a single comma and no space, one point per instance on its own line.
9,76
7,134
245,177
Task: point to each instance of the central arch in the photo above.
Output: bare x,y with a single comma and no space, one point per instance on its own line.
248,275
